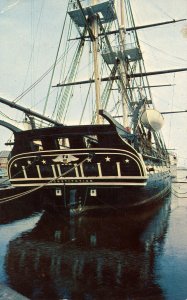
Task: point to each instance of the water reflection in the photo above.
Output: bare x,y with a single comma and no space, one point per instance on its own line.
89,257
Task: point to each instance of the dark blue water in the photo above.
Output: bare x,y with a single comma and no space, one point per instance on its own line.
45,256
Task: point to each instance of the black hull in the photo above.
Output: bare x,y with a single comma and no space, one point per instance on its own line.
14,207
119,200
83,200
99,168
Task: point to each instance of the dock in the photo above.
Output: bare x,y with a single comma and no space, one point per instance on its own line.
7,293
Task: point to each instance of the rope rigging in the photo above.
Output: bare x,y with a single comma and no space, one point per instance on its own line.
40,78
10,198
72,74
54,66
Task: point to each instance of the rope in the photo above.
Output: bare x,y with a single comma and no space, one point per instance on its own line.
10,198
7,179
54,66
177,194
179,197
40,78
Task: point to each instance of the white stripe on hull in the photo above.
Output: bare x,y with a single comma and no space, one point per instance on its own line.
81,178
84,183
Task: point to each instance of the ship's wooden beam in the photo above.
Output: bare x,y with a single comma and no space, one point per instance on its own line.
145,26
157,72
163,113
173,112
118,77
137,27
154,24
150,86
29,111
76,83
145,87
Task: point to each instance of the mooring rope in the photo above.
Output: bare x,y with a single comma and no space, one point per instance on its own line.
10,198
176,194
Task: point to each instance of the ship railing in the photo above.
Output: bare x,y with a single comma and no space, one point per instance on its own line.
103,8
128,46
148,149
131,52
84,3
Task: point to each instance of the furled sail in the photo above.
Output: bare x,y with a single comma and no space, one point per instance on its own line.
152,119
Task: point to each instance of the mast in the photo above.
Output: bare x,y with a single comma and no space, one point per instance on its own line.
123,66
95,30
93,14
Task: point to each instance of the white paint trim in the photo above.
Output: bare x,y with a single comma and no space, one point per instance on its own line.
38,170
76,170
24,171
82,171
82,178
54,171
130,155
64,151
84,183
124,152
118,169
99,169
59,170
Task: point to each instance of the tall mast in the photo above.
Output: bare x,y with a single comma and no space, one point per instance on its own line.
123,66
95,30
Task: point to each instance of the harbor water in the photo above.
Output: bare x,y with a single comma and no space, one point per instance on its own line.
47,256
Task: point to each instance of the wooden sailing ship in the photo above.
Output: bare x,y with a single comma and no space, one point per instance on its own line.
119,158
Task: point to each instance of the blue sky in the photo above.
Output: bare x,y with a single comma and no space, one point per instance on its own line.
30,32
